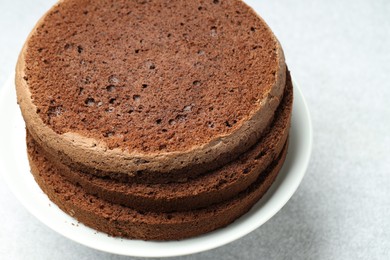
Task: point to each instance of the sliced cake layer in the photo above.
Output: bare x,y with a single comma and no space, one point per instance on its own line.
149,87
117,220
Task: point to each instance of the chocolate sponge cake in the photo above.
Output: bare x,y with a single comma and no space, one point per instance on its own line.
154,88
154,119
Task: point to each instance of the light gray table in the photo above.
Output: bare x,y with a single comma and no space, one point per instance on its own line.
339,52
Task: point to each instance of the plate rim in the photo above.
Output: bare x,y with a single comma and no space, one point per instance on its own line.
185,247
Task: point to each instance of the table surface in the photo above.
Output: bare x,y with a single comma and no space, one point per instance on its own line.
339,52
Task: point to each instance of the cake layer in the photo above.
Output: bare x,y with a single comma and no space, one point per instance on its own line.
161,178
210,188
149,87
117,220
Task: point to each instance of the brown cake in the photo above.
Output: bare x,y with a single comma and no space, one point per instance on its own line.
117,220
154,119
149,87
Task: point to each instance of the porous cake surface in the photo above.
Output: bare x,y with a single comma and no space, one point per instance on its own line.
149,80
165,80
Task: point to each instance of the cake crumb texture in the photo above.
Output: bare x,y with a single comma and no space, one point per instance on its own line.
163,84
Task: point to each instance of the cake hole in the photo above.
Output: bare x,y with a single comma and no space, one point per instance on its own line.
164,130
253,29
180,118
131,110
80,49
211,108
81,90
221,182
181,24
40,49
162,147
158,121
113,79
196,83
213,31
137,98
112,101
201,52
110,88
152,66
200,8
136,51
89,101
210,124
171,122
67,46
54,110
85,12
108,134
216,2
246,171
169,35
228,124
187,108
144,85
260,155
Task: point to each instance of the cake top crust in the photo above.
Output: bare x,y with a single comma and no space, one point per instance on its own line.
150,76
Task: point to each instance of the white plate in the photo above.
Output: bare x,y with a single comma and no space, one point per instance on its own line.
15,168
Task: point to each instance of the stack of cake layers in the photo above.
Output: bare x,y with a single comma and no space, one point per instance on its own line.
154,120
